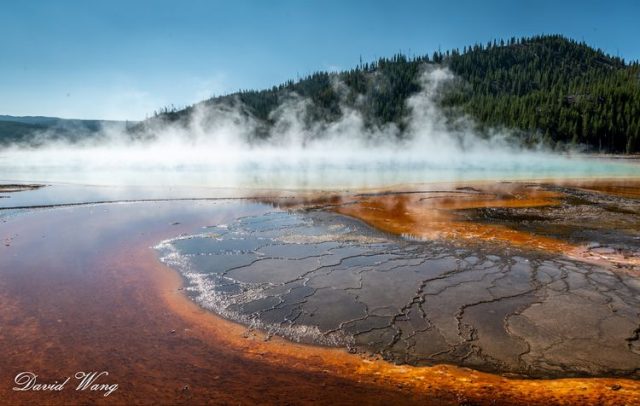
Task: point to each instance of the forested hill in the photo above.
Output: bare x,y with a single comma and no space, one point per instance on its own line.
37,130
546,88
566,91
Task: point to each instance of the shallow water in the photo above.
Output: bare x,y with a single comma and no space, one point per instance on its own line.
55,194
77,184
323,278
286,171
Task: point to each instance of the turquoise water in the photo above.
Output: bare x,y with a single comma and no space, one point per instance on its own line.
318,173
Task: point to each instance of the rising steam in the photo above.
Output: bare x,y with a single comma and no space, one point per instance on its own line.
218,148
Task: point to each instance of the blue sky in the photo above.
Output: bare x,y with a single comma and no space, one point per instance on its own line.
117,59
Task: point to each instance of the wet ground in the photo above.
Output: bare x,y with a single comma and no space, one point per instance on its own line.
319,277
67,306
512,278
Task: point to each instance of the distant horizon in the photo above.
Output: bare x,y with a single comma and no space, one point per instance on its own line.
121,61
61,118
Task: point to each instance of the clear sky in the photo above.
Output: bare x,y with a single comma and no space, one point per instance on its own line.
116,59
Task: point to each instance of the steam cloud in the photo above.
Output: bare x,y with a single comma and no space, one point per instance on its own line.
218,148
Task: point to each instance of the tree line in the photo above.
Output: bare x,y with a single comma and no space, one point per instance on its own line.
548,89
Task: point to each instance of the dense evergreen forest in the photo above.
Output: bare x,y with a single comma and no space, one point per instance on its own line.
543,89
546,89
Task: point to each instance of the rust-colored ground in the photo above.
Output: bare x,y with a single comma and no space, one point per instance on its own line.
110,305
431,215
430,211
624,189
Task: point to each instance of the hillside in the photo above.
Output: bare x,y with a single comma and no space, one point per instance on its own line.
33,129
14,131
544,88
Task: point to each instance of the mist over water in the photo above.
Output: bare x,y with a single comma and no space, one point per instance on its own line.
218,148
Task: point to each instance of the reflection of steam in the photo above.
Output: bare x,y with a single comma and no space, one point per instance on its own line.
218,147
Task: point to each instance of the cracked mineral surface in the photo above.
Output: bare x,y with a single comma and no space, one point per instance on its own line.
320,277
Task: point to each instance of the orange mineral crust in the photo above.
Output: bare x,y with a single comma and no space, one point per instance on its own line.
432,211
440,211
628,189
